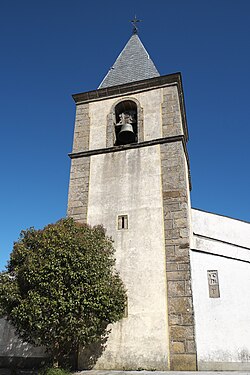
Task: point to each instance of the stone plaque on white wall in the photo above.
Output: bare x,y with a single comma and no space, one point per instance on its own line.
213,284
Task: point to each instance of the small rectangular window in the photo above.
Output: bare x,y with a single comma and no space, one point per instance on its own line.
122,222
126,309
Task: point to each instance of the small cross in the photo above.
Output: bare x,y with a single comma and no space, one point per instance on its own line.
134,22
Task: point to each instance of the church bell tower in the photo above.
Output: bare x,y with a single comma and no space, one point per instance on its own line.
130,172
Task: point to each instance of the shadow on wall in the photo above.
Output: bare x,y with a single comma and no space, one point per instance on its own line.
88,356
14,353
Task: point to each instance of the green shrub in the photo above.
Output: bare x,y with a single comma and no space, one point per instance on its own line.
54,371
61,289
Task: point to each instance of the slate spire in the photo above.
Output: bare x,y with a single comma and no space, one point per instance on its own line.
133,64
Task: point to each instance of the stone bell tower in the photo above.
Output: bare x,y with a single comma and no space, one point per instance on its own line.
130,172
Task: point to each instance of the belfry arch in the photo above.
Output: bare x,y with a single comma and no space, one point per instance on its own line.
125,111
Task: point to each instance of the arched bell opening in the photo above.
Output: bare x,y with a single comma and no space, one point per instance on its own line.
126,123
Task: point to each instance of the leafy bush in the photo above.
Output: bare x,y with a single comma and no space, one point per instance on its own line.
61,289
54,371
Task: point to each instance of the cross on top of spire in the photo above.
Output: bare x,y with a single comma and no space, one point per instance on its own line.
134,22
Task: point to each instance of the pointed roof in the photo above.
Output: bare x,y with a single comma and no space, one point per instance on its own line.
133,64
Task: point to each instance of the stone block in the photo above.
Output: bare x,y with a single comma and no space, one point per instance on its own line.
170,250
178,275
180,214
182,333
171,162
173,194
179,305
76,204
182,255
172,266
174,319
77,210
187,319
167,215
184,266
188,288
184,232
172,233
176,288
172,183
190,346
168,224
172,207
177,347
183,362
184,243
80,218
180,223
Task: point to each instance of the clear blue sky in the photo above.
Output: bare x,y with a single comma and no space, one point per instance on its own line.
52,49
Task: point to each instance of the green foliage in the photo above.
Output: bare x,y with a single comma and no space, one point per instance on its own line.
61,289
54,371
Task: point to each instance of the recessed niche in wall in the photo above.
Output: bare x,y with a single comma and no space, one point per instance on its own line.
122,222
213,284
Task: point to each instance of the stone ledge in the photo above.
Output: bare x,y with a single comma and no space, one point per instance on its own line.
131,87
179,138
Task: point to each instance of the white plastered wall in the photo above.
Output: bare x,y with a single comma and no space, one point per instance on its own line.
129,183
222,324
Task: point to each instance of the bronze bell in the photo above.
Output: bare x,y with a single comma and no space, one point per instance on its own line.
126,134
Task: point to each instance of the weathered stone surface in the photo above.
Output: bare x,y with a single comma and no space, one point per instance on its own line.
175,191
172,233
168,224
184,266
176,288
172,266
180,223
181,254
177,347
179,305
171,116
178,275
170,250
82,124
190,346
183,362
187,319
179,332
78,189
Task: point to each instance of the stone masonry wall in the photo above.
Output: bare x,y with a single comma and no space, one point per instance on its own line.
79,173
79,189
176,209
81,132
171,115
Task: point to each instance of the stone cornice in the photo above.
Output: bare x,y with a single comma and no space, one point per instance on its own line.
127,88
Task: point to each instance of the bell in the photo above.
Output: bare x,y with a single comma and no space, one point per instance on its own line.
126,134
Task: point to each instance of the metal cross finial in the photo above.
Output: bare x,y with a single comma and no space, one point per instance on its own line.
134,22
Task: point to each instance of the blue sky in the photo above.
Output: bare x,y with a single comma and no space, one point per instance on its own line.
52,49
